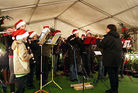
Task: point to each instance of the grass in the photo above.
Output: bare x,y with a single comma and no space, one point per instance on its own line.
125,85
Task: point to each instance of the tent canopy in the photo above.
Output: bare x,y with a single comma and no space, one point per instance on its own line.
66,15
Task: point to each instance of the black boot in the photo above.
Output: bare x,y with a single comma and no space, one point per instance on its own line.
108,91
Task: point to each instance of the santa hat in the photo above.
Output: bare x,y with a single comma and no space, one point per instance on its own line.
83,35
20,34
88,31
58,32
75,31
9,30
19,24
45,29
32,33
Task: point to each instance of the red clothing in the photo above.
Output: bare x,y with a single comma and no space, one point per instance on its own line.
90,40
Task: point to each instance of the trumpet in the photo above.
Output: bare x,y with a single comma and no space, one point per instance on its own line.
5,32
8,31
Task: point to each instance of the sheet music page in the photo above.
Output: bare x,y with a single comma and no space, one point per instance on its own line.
98,53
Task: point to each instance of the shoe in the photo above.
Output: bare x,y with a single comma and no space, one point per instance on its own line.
114,91
108,91
31,87
73,80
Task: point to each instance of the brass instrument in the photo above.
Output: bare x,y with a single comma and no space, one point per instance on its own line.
5,32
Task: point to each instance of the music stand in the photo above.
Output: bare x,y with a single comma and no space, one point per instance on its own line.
53,42
42,40
41,87
98,53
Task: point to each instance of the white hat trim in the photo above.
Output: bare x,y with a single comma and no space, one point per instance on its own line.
32,34
19,37
75,32
45,30
88,32
20,24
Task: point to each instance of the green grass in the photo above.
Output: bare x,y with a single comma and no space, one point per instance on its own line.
125,85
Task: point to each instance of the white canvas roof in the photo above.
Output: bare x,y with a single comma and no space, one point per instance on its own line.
66,15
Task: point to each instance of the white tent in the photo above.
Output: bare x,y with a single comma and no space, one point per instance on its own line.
69,14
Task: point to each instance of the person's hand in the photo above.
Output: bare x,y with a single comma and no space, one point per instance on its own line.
29,41
98,37
32,55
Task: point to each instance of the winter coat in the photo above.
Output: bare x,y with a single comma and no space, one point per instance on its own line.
4,44
21,57
74,43
46,50
112,49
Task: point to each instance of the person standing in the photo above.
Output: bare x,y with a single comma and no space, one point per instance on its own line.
21,56
9,41
33,47
74,43
112,49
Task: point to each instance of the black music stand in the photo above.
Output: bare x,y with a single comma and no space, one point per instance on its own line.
53,42
98,53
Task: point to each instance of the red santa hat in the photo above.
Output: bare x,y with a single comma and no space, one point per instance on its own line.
83,35
88,31
32,33
75,31
19,23
10,30
20,34
45,29
58,32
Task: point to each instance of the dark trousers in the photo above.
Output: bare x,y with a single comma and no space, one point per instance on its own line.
86,63
56,61
73,72
113,77
45,69
20,84
30,76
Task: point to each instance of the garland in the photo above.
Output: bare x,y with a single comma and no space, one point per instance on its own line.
2,18
125,34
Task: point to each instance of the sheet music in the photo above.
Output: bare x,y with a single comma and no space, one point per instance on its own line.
54,39
43,36
98,53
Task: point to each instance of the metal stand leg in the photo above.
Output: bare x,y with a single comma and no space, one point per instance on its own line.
52,80
41,87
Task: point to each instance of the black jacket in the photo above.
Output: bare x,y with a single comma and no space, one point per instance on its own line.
74,43
112,49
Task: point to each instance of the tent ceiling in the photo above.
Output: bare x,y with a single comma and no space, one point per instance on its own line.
79,12
51,11
113,6
68,14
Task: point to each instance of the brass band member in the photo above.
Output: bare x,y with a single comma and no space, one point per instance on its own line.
74,43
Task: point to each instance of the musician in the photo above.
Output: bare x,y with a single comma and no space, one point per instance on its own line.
64,48
82,36
8,58
74,43
8,35
112,49
34,48
56,53
86,52
21,56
